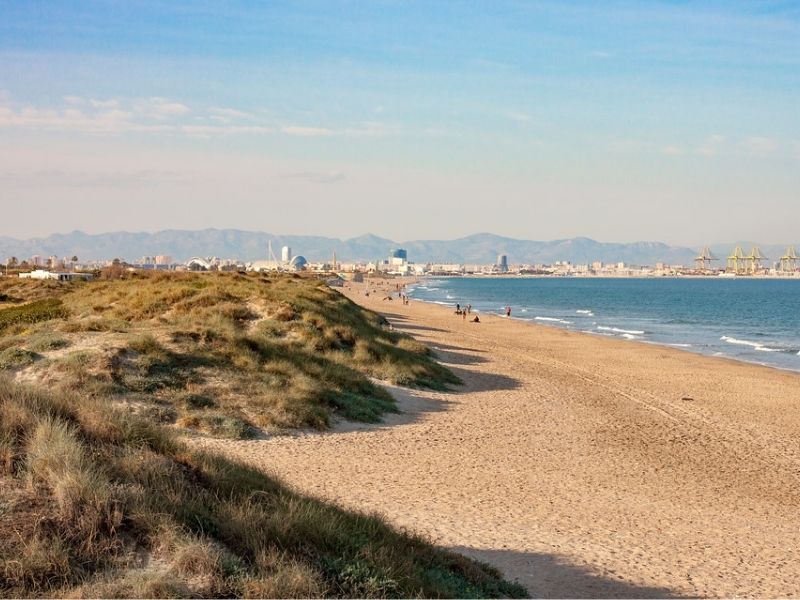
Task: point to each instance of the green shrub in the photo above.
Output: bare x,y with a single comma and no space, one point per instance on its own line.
105,487
13,358
33,312
47,342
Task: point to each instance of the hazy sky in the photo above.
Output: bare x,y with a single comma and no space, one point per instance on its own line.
622,121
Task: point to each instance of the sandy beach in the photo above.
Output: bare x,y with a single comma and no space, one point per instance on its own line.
580,466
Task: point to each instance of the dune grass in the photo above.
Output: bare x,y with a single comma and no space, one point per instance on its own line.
100,498
270,352
44,309
96,502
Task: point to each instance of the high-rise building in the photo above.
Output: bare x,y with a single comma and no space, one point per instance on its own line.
399,253
286,254
502,263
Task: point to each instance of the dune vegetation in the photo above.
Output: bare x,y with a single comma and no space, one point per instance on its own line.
228,354
95,502
101,495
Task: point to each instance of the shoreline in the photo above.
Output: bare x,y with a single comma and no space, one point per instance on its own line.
693,346
533,323
542,276
578,465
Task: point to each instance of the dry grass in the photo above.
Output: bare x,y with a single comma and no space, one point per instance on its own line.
270,352
96,502
99,499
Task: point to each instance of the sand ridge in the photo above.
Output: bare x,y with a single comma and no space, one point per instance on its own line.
580,466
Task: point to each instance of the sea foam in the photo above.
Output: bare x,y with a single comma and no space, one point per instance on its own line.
554,320
755,345
618,330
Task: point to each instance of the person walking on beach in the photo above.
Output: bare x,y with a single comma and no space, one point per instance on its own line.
464,315
469,308
508,311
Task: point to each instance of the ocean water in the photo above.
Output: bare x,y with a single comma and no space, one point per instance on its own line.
754,320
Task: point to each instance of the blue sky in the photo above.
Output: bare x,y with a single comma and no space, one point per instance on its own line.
623,121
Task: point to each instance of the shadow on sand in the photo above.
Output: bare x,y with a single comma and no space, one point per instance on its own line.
402,324
412,405
551,576
480,382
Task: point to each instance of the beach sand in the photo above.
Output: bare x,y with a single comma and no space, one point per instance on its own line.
578,465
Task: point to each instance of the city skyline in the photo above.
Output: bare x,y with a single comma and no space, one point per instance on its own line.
620,122
476,248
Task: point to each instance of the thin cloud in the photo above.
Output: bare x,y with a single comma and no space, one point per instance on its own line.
673,151
103,103
160,116
712,145
116,117
301,131
518,117
207,131
161,108
229,114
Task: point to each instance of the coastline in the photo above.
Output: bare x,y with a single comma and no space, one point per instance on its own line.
614,276
678,347
580,465
610,329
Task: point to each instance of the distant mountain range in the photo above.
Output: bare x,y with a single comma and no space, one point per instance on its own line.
248,245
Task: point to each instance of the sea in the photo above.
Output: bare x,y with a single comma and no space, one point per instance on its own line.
752,320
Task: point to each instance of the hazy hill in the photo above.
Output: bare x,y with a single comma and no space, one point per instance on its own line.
251,245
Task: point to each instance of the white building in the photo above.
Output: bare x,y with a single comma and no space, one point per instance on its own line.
41,274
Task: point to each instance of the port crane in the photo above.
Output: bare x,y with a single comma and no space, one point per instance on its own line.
753,264
789,260
737,261
704,260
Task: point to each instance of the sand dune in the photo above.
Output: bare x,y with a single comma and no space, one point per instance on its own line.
578,465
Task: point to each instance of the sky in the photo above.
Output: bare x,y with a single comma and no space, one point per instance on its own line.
621,121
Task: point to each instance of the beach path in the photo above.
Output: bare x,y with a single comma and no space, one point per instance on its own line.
580,466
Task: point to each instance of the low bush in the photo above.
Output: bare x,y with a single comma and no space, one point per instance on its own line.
13,358
45,309
47,343
271,351
98,502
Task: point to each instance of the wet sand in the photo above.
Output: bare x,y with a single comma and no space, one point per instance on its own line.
580,466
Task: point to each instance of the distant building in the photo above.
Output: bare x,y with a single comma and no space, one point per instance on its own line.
398,258
502,263
286,254
198,263
41,274
298,263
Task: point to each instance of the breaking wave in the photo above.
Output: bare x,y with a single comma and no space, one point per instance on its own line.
618,330
553,319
